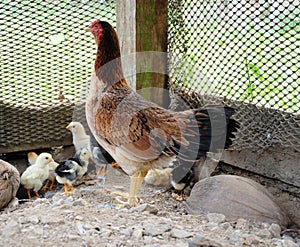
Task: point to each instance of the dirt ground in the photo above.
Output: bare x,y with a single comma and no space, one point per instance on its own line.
93,218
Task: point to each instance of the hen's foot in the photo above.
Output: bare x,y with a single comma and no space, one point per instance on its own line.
124,199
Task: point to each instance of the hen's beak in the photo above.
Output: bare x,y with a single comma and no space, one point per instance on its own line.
51,160
69,127
88,29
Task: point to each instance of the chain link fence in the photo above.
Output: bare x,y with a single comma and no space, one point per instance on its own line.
243,54
45,65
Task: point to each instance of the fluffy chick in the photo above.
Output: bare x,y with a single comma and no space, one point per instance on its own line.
67,172
9,184
158,176
80,138
181,177
34,176
32,157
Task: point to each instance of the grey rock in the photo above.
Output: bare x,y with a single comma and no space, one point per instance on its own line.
79,202
275,230
215,218
202,241
80,230
242,224
288,243
177,233
145,208
11,228
158,229
264,233
127,231
235,197
137,234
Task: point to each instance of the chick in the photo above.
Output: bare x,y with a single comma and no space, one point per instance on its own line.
32,156
158,176
34,176
83,156
80,138
9,184
181,177
67,172
51,178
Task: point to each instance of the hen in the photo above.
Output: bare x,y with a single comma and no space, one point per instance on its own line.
138,134
9,184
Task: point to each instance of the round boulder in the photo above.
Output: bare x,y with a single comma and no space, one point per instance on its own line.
235,197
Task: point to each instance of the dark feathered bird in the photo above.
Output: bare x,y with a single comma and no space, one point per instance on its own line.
67,172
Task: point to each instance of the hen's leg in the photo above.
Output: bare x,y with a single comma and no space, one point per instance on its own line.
136,181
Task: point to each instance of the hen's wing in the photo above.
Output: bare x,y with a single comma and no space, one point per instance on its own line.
143,130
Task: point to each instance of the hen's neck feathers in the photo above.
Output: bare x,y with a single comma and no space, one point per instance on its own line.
108,65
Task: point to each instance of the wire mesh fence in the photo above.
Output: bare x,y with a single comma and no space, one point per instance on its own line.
45,64
244,54
241,53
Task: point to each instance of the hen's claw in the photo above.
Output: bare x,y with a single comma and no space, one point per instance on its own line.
129,200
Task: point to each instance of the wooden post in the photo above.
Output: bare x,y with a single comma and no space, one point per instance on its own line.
126,28
148,37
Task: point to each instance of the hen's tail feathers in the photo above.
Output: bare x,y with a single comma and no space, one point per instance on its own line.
210,128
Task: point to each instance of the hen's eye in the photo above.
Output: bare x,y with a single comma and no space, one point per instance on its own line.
47,158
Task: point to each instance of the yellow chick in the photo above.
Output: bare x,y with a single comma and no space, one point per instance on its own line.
34,176
158,176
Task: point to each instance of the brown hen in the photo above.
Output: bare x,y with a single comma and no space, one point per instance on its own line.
138,134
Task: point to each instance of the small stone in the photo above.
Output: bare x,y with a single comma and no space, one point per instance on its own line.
176,233
79,226
264,233
215,218
225,225
250,240
137,234
275,230
154,230
145,208
79,202
288,243
34,220
236,237
200,240
12,227
242,224
106,233
126,231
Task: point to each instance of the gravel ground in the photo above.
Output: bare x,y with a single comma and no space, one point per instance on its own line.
91,218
